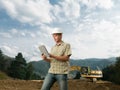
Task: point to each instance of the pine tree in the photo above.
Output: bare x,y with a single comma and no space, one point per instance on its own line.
18,67
29,72
1,61
112,72
117,71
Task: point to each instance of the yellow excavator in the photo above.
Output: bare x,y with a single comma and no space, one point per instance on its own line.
86,72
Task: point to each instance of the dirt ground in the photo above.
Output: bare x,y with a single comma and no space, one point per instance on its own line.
72,85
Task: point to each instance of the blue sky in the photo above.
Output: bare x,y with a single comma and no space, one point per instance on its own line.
92,27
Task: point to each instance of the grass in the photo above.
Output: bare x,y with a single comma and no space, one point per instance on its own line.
3,76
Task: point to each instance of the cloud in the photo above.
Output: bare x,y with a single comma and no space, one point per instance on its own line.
9,50
25,41
28,11
18,33
105,4
14,31
37,12
69,9
5,35
99,40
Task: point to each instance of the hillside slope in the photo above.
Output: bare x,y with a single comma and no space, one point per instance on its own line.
3,76
41,67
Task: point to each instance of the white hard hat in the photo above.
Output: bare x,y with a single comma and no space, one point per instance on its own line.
56,30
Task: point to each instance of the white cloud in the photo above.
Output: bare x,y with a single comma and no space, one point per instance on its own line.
14,31
28,11
9,50
106,4
71,8
34,58
101,39
32,35
26,41
5,35
37,12
67,10
107,30
21,33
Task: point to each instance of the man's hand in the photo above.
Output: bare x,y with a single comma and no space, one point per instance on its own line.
52,56
43,57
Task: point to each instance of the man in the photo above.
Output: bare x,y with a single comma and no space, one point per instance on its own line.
59,63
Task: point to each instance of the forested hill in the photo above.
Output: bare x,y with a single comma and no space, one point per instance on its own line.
41,67
93,62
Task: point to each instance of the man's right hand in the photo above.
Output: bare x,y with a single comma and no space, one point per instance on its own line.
43,57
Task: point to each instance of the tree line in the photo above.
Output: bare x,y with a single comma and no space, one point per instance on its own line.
112,72
17,67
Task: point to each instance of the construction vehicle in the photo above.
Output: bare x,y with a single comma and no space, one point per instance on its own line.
74,72
87,72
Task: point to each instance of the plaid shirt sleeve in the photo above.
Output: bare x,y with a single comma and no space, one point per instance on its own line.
68,50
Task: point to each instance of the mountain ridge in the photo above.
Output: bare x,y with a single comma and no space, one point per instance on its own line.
41,67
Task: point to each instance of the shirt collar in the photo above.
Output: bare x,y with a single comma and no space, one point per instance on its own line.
58,44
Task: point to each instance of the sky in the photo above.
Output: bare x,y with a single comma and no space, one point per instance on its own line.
92,27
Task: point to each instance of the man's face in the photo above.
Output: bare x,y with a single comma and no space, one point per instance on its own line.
57,37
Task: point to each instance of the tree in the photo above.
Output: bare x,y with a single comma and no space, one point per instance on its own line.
29,71
18,67
117,71
36,76
2,61
117,64
112,72
108,73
